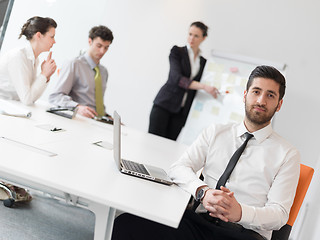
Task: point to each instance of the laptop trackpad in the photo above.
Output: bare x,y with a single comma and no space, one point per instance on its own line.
157,172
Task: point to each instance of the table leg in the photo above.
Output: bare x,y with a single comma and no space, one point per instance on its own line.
104,221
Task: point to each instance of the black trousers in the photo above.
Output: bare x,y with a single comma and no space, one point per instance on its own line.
192,227
166,124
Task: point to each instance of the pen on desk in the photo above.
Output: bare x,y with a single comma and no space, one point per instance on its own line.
55,129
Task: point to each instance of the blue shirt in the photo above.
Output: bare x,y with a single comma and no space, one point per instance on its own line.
76,83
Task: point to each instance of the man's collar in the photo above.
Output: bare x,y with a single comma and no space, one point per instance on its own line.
259,135
92,64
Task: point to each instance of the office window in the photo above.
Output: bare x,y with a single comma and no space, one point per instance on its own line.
5,11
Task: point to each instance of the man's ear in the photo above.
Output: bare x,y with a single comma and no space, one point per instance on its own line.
279,105
244,95
90,41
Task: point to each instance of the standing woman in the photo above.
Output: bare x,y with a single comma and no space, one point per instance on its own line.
173,102
18,68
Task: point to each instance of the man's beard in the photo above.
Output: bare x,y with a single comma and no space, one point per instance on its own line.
259,118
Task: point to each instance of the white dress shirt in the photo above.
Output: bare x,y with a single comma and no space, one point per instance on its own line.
195,67
194,62
76,83
18,76
264,180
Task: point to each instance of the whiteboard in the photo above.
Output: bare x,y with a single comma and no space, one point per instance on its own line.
229,74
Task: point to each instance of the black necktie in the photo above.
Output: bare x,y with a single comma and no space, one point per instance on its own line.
233,161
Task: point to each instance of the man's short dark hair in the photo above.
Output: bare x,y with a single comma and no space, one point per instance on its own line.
271,73
101,31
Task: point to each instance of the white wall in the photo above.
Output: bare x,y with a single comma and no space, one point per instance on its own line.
284,31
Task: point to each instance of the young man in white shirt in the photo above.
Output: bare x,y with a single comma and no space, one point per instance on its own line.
257,197
76,84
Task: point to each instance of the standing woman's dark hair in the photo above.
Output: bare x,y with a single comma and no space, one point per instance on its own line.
202,26
37,24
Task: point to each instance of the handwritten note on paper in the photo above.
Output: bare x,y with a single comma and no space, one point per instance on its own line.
236,117
198,106
215,110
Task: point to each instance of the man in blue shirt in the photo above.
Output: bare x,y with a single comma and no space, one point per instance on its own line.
76,84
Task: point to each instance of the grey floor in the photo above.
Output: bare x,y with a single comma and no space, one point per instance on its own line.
45,218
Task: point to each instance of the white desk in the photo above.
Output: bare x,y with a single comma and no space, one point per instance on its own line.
87,173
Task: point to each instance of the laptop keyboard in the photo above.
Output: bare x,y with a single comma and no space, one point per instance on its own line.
136,167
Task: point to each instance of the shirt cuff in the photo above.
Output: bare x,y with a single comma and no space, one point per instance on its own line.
193,186
247,214
43,78
72,104
185,82
68,104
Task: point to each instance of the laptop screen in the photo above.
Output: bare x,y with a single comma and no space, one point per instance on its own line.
117,139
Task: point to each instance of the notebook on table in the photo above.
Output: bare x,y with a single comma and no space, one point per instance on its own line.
133,168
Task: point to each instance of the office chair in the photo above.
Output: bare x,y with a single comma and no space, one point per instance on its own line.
306,174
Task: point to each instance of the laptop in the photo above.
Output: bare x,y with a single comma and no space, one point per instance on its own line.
133,168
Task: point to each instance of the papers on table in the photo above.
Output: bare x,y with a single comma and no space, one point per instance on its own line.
10,109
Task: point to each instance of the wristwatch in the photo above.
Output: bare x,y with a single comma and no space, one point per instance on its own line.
201,193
